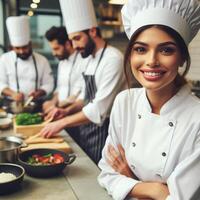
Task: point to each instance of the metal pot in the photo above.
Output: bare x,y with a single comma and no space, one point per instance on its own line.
18,107
10,148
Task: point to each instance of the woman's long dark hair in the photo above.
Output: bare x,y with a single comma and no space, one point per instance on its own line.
180,79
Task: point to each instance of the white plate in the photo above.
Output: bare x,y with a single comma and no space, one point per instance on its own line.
10,115
5,122
3,114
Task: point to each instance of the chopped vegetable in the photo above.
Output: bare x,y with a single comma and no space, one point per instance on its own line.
48,159
28,119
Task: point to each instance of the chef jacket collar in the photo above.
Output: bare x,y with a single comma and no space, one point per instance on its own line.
170,105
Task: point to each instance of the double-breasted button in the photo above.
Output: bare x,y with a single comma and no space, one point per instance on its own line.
139,116
158,175
164,154
171,124
132,167
133,144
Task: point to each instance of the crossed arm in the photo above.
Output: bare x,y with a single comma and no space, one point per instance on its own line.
142,190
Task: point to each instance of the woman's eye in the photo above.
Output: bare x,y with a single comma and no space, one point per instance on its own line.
139,50
167,50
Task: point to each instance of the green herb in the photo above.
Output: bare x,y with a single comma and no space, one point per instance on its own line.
28,119
31,160
47,155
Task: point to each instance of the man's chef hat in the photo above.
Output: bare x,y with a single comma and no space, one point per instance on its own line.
18,30
78,15
181,15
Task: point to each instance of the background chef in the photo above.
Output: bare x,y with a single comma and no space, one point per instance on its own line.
103,77
70,83
23,72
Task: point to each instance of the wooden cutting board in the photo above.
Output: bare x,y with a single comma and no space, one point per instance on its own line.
27,130
47,143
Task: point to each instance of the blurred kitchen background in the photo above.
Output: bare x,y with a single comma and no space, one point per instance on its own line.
46,13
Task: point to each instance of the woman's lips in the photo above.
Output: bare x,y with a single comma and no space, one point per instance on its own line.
152,75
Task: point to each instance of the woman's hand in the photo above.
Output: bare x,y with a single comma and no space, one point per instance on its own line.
118,161
150,190
160,191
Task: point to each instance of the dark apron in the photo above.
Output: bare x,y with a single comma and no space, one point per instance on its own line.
7,100
92,136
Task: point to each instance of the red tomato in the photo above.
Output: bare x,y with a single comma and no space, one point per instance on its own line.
58,158
35,156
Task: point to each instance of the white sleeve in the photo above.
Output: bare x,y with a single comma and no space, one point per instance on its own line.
116,184
184,182
3,76
112,79
47,80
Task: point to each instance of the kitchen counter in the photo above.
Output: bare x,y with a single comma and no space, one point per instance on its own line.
77,182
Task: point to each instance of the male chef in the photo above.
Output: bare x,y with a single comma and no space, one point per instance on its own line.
24,73
103,76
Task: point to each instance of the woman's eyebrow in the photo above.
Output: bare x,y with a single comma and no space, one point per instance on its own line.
160,45
167,43
140,43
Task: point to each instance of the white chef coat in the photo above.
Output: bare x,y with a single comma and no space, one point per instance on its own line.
70,77
26,73
163,148
109,78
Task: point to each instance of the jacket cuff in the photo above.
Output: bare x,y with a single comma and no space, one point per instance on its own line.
123,188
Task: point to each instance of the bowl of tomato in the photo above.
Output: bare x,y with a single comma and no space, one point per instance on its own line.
45,162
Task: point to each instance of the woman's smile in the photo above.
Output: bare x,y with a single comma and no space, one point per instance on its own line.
155,59
152,75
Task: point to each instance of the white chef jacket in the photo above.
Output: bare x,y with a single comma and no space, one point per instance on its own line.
163,148
109,78
26,73
70,77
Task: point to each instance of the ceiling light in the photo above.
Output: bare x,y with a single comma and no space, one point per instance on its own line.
34,5
30,13
118,2
36,1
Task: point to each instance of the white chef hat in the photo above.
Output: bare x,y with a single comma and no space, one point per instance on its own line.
78,15
18,30
181,15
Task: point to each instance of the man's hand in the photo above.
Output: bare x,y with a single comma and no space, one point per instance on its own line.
55,114
37,94
48,106
51,129
18,96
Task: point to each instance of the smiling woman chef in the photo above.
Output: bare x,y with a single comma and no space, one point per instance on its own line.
23,72
153,147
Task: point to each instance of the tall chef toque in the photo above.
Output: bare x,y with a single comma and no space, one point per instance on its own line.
78,15
181,15
18,30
